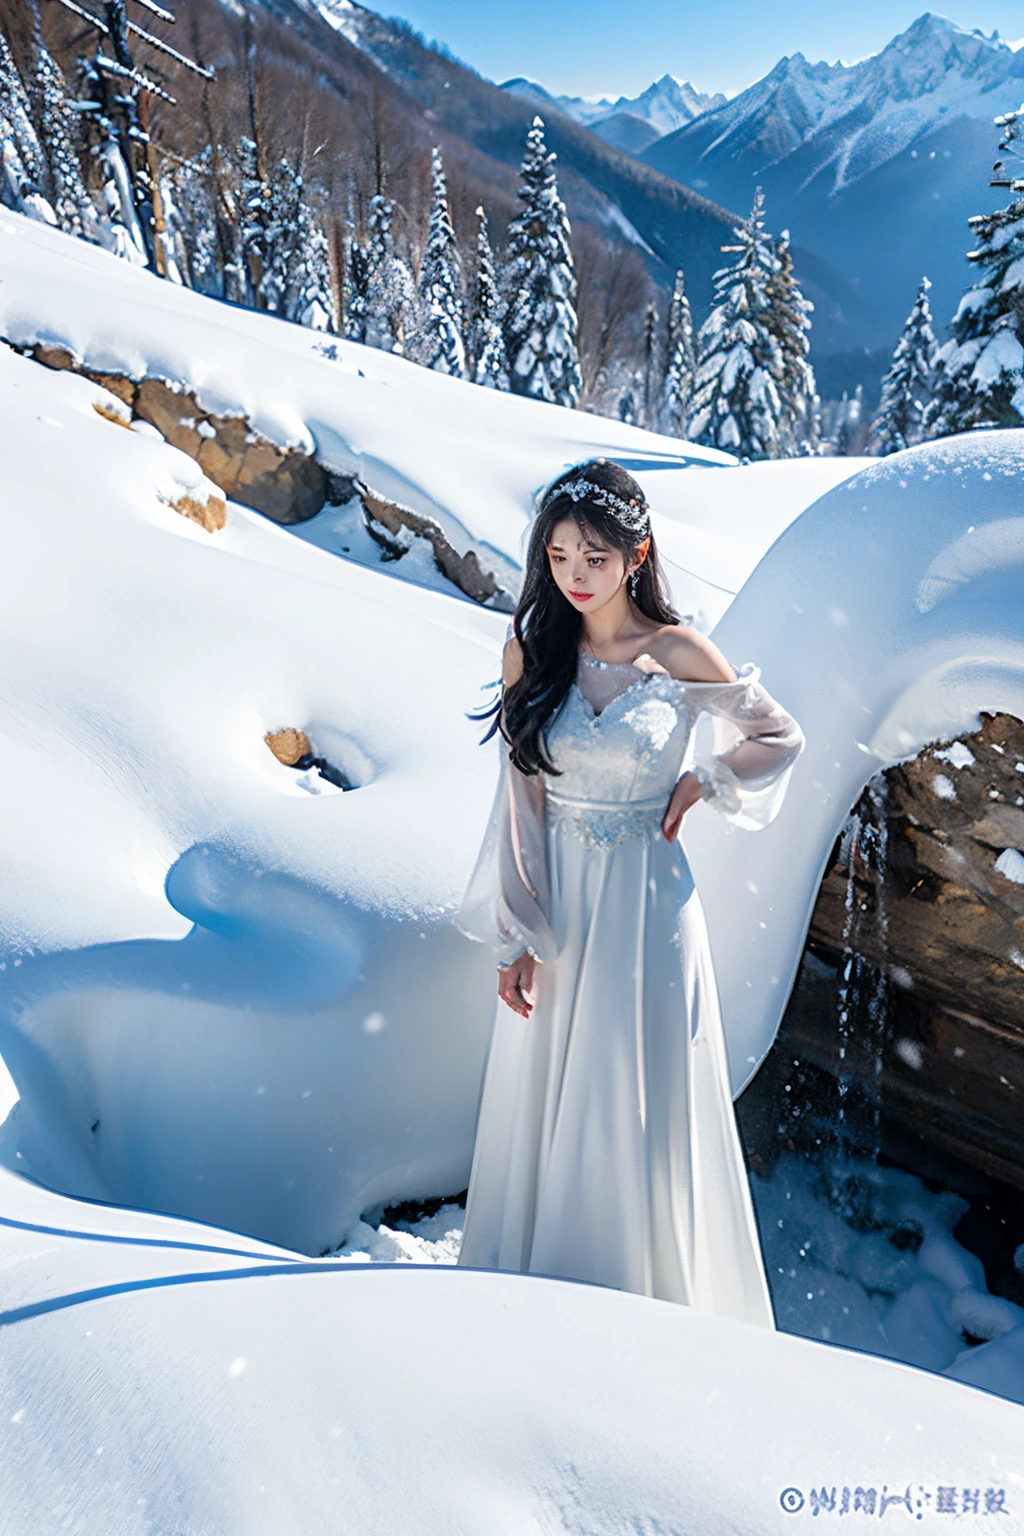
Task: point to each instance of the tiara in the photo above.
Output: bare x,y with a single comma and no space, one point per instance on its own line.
633,515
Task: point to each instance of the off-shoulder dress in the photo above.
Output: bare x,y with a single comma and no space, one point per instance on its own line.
607,1148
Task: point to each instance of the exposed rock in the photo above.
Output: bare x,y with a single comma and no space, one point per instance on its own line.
109,414
288,746
929,1021
464,571
210,514
285,485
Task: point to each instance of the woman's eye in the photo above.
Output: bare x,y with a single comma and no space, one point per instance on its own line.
596,560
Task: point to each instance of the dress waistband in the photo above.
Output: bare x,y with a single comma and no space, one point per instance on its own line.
660,802
606,823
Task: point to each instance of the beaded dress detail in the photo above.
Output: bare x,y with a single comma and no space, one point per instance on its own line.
607,1147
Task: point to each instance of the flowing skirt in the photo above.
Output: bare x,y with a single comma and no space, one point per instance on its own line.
607,1148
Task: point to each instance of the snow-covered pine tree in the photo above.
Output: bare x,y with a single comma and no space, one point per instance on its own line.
58,134
254,215
355,289
848,424
441,318
189,210
653,371
979,373
23,164
736,404
680,363
487,360
281,246
789,320
539,285
311,293
906,388
389,287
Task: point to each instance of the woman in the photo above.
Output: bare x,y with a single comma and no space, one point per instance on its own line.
607,1147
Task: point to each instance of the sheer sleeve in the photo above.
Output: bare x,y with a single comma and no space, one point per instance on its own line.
744,772
506,901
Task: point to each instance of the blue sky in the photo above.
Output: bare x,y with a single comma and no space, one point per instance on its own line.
584,46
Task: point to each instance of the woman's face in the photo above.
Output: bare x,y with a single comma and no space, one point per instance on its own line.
586,571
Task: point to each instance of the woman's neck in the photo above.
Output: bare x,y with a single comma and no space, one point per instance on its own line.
612,626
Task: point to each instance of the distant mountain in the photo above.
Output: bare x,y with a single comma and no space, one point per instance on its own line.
875,166
631,122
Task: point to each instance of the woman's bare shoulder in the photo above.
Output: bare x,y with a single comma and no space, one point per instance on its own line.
511,662
689,656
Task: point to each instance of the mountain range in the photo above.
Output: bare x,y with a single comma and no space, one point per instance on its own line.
633,123
874,167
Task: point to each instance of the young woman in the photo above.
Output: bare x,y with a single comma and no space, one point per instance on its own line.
606,1146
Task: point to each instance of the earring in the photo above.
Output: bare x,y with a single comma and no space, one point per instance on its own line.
634,582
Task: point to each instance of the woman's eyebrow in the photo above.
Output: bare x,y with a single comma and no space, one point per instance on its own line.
598,549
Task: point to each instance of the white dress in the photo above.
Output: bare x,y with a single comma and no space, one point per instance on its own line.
607,1148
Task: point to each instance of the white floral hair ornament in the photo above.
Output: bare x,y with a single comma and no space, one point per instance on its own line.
633,515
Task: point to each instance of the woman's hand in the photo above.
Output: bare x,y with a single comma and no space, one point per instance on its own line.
686,793
514,981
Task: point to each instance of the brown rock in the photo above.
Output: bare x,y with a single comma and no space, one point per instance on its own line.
109,414
116,384
210,514
288,746
54,357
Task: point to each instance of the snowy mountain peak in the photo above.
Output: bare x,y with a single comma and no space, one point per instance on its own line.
663,107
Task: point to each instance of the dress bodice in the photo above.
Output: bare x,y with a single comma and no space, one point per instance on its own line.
619,743
632,748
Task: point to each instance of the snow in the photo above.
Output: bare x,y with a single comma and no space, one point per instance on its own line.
923,551
943,787
958,754
1010,863
176,900
229,998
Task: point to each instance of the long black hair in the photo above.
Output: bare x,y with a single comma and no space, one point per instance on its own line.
546,624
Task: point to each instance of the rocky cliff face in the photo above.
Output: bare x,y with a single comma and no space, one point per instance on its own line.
911,996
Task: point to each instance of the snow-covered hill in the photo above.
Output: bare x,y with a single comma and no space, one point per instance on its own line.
875,166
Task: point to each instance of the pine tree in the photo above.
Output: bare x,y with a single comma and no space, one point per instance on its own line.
539,285
487,360
58,131
789,320
847,427
441,317
355,290
979,373
190,211
23,164
652,372
311,296
389,286
736,404
255,215
681,364
906,387
279,206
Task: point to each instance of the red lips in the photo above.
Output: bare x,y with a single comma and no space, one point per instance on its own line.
581,597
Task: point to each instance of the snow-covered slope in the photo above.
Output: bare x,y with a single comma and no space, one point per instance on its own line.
874,166
404,1402
223,995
